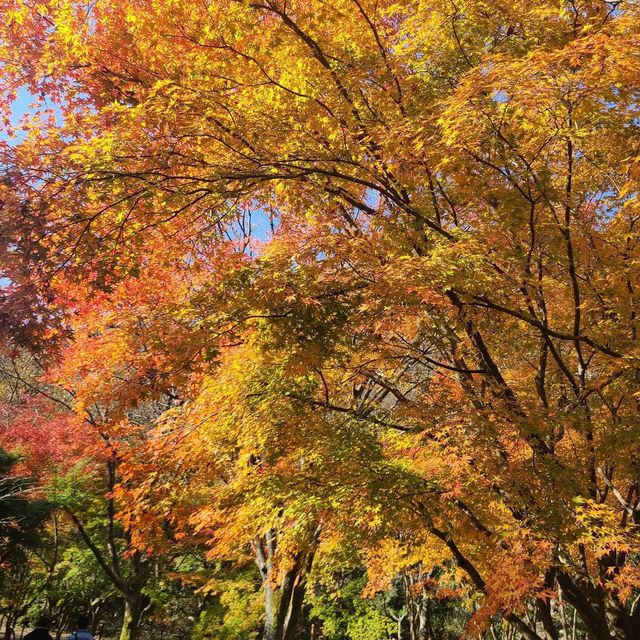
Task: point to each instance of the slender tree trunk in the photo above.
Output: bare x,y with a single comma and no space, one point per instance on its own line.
423,617
10,623
563,615
270,612
411,606
401,618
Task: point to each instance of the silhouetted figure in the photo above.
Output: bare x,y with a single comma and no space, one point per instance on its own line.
82,630
41,631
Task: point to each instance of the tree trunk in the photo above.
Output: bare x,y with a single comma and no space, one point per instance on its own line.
297,598
10,623
399,622
283,604
423,617
590,608
133,607
270,612
283,599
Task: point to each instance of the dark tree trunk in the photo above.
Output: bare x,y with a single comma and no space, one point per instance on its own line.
134,606
9,627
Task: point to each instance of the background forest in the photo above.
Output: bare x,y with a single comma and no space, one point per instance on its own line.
319,319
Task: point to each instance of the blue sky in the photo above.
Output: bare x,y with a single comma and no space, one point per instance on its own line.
260,222
18,109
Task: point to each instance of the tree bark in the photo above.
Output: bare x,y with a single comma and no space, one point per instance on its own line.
423,617
590,611
270,610
283,599
133,607
9,627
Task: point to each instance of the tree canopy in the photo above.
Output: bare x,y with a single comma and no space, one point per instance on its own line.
339,283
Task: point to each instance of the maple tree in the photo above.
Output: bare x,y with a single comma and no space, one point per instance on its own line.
73,455
69,448
380,260
195,480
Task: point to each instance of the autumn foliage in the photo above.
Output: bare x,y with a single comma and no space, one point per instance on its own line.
344,274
